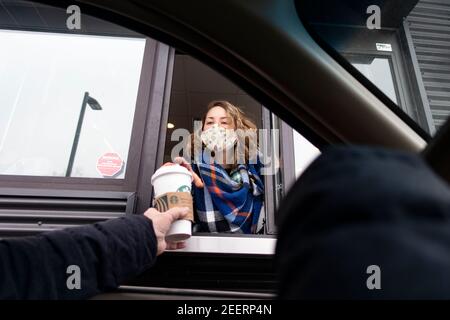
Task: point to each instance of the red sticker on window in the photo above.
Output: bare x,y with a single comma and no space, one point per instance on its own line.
109,164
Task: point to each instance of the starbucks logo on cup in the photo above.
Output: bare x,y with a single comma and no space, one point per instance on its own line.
173,199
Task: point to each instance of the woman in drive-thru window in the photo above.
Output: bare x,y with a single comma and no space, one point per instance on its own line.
228,188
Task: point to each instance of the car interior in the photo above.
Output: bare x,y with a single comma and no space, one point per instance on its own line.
156,64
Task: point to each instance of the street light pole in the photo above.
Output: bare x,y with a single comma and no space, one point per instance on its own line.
95,106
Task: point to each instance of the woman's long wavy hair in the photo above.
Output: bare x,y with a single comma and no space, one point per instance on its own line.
240,121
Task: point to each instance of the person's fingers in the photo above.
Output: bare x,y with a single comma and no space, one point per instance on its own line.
177,213
197,181
175,245
181,245
178,160
182,162
171,246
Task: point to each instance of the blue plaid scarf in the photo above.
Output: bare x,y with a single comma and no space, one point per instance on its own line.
228,202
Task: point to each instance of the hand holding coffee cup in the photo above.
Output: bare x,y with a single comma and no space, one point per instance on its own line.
162,222
172,188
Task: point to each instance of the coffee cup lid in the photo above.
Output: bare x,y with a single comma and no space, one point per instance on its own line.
170,168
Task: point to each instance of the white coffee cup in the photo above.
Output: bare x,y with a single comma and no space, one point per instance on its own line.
174,178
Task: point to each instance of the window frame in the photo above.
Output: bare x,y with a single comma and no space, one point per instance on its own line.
200,243
366,45
394,68
278,185
129,181
269,185
421,124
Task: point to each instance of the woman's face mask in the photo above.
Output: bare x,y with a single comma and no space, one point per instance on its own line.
217,138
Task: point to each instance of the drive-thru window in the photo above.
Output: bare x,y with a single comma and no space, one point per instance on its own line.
89,116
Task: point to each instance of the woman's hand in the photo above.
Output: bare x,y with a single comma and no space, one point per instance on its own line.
182,162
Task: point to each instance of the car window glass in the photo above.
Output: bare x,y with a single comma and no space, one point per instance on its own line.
402,47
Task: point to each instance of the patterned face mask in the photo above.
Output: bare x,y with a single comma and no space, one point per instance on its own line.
218,138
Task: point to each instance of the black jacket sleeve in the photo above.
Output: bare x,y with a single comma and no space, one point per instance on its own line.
106,254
